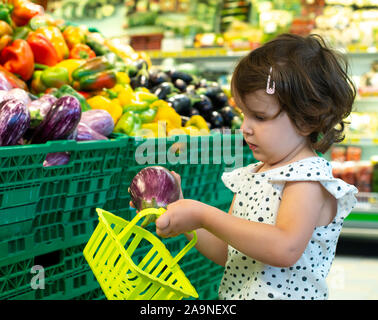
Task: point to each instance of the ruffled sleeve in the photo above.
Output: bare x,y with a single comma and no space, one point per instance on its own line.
320,170
345,195
232,179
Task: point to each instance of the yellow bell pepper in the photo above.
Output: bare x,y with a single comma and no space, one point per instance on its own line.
166,113
192,131
122,49
199,123
115,110
112,106
70,65
74,35
125,94
122,78
152,130
177,132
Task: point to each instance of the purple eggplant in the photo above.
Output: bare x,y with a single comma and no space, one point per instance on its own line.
73,134
99,120
19,94
86,133
39,108
14,121
153,187
56,159
3,95
60,121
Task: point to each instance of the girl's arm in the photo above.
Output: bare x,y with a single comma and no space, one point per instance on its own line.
281,244
211,246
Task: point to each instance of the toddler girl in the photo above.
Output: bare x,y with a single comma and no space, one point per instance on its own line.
279,238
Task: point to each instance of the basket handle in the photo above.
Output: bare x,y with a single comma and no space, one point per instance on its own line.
158,213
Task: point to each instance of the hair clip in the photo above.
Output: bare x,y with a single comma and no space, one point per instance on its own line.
270,89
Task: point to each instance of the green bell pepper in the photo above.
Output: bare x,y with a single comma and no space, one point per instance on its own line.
37,85
96,81
55,77
66,89
148,115
145,96
136,106
21,33
94,41
6,12
129,123
92,66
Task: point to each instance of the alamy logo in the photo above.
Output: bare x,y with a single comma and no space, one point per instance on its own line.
213,148
38,281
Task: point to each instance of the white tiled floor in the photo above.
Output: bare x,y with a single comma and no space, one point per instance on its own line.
353,278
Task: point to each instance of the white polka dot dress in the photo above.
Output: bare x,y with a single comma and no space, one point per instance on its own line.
258,197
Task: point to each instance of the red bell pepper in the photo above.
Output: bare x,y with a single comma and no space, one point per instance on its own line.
81,51
18,58
43,50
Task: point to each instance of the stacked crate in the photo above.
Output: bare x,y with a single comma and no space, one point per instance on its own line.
47,214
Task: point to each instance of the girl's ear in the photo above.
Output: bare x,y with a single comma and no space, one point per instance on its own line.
302,129
305,132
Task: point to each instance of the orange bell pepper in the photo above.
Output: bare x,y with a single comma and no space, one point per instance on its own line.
18,58
81,51
24,10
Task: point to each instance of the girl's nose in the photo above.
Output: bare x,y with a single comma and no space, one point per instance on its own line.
246,129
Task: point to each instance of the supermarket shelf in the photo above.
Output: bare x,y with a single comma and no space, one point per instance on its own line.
350,231
367,203
362,222
224,53
223,59
366,105
360,141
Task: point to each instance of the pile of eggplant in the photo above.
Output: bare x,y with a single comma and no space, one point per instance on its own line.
26,119
188,95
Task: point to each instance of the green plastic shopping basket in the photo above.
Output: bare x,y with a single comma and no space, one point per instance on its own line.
130,263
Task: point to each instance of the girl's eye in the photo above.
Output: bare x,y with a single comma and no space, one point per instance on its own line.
259,118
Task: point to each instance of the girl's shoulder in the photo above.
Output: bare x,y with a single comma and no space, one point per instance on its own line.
233,179
313,169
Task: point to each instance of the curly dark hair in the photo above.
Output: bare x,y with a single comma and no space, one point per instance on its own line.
311,84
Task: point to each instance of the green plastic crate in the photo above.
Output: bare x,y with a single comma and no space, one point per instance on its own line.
65,287
16,278
37,202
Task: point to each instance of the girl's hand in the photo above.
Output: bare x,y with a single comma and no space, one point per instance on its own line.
178,179
181,216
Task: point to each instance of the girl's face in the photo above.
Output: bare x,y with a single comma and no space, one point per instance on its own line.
268,130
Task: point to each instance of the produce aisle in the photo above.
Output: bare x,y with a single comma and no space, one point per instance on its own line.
92,92
353,272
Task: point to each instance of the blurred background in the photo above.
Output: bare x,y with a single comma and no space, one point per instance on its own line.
207,38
